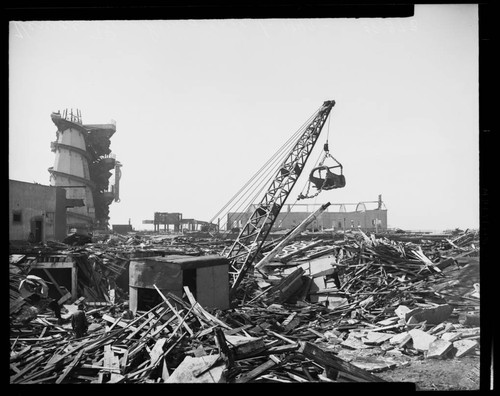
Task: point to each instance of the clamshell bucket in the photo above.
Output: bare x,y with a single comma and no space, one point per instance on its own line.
326,179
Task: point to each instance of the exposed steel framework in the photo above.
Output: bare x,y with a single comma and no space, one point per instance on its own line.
249,242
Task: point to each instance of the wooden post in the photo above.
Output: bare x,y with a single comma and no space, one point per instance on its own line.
74,282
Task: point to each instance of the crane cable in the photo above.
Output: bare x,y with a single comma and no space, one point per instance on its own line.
265,168
319,163
268,177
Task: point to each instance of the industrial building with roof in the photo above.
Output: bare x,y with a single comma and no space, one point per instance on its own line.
336,217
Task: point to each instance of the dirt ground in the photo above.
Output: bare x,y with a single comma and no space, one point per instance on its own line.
433,374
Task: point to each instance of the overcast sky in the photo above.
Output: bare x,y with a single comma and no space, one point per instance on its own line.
201,105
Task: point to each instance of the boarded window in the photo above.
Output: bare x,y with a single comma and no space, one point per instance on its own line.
16,216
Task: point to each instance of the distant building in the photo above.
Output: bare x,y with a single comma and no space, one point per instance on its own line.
179,224
83,164
336,217
37,213
122,228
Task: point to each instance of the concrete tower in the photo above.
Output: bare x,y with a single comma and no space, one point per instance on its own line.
82,166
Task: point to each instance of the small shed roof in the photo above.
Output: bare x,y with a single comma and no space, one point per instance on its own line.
190,262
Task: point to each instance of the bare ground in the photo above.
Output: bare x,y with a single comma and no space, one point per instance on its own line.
433,374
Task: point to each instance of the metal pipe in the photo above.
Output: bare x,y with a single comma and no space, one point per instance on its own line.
296,231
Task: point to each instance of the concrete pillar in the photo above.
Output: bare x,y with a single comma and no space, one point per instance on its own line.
132,298
74,282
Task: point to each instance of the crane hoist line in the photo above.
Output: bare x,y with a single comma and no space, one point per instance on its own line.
248,244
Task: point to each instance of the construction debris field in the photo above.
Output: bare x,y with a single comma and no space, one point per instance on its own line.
396,308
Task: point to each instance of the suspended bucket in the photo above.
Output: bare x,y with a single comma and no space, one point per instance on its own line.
324,179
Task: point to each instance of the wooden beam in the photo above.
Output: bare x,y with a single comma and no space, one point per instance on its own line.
327,359
53,265
224,352
70,367
196,305
26,369
143,324
191,333
273,361
119,322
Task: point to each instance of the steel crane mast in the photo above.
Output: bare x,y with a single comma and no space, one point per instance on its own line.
249,242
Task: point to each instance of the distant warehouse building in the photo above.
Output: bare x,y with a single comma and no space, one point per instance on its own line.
336,217
122,229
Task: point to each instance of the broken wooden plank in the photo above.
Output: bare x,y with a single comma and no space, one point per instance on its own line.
27,368
191,333
162,327
110,361
184,373
118,322
202,310
224,351
203,370
160,312
70,367
256,372
325,358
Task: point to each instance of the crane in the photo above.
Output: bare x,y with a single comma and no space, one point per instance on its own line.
249,242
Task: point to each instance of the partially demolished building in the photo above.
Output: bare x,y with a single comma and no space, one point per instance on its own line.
83,166
334,307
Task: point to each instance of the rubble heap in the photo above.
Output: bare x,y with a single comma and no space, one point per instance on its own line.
398,301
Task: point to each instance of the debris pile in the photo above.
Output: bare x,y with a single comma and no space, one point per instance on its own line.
326,310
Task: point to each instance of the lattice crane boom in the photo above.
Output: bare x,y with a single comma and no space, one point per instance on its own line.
249,242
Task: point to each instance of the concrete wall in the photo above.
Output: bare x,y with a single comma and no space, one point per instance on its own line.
211,287
336,220
37,209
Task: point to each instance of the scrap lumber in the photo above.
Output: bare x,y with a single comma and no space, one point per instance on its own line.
202,312
256,372
287,287
300,247
211,364
388,288
184,373
70,367
28,367
224,351
157,351
174,311
327,359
